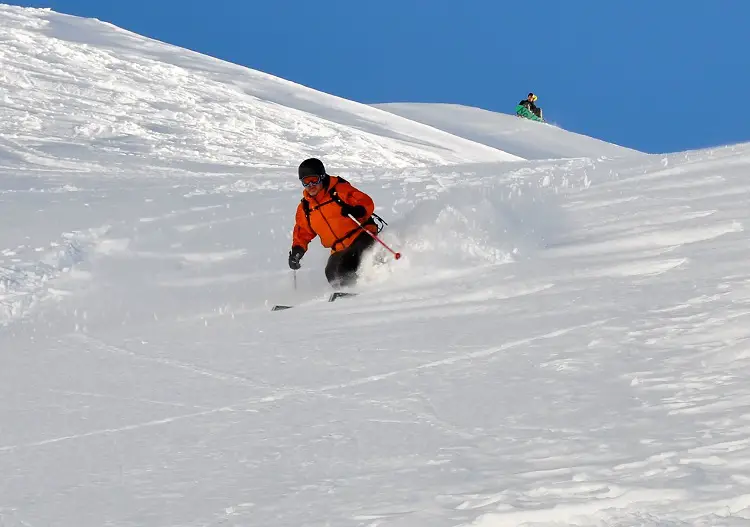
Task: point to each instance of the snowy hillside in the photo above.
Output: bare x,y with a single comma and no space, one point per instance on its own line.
564,342
521,137
137,97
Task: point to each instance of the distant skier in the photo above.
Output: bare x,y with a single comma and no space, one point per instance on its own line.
326,203
528,108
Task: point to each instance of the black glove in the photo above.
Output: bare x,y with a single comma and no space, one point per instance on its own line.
295,255
357,211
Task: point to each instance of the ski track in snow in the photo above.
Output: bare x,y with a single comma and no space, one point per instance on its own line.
94,345
565,342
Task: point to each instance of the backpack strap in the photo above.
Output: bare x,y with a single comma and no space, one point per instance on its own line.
335,196
306,210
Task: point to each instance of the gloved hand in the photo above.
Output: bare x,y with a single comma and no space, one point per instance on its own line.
358,211
295,255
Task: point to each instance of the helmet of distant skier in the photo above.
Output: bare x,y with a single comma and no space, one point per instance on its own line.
532,97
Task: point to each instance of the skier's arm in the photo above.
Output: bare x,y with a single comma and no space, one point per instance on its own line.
302,234
356,198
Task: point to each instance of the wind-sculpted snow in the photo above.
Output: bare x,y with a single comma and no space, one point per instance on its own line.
563,341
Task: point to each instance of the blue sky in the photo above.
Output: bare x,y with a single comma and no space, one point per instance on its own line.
659,76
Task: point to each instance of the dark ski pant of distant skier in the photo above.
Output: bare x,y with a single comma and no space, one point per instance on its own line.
341,269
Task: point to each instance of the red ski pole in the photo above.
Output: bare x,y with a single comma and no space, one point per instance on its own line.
375,237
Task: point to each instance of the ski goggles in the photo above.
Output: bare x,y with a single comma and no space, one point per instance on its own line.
311,181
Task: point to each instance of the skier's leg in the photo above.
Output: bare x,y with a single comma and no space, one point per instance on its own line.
333,273
344,268
352,260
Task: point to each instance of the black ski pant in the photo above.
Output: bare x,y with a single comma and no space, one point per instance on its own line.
341,269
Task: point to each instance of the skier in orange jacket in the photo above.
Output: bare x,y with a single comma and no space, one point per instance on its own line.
324,211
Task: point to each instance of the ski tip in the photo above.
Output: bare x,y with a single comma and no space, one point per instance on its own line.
280,308
340,294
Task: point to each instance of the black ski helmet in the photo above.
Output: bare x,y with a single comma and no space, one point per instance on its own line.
311,167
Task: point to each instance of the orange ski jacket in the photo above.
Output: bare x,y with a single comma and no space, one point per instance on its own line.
324,219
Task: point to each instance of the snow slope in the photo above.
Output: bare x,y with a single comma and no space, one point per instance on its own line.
521,137
565,342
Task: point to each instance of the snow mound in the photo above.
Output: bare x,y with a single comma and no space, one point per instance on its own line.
29,276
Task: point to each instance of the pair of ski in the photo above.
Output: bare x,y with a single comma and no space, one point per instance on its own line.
331,298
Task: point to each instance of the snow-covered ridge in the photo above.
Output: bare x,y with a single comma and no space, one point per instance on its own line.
528,139
78,89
